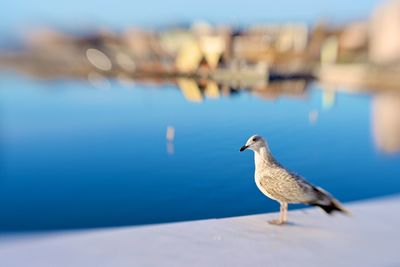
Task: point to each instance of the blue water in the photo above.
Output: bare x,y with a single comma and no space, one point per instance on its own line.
72,156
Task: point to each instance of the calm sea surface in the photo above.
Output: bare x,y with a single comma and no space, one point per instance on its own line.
75,156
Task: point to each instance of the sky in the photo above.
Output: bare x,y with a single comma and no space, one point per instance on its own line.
18,15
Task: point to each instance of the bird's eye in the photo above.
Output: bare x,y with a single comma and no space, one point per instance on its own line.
254,139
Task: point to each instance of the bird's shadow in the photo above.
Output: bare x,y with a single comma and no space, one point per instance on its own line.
292,225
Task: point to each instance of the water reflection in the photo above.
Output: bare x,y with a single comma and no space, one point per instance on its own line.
386,122
385,105
313,117
170,136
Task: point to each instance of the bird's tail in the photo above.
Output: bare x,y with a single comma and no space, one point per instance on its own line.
328,203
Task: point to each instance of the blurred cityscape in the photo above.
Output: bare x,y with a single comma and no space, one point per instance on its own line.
207,61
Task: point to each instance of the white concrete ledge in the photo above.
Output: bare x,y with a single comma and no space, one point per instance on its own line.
369,238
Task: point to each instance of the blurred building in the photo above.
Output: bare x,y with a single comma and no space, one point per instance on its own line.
385,34
360,54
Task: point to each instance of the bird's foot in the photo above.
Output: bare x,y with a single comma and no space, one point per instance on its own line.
277,222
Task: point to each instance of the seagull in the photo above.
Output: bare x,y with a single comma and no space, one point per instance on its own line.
279,184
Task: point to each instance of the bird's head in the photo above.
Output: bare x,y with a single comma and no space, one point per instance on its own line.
254,143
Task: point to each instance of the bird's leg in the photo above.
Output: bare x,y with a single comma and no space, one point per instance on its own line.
282,215
284,207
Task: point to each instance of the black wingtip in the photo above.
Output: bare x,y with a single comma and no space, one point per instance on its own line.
334,206
328,203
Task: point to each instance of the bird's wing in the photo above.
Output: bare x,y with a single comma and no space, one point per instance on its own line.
289,187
